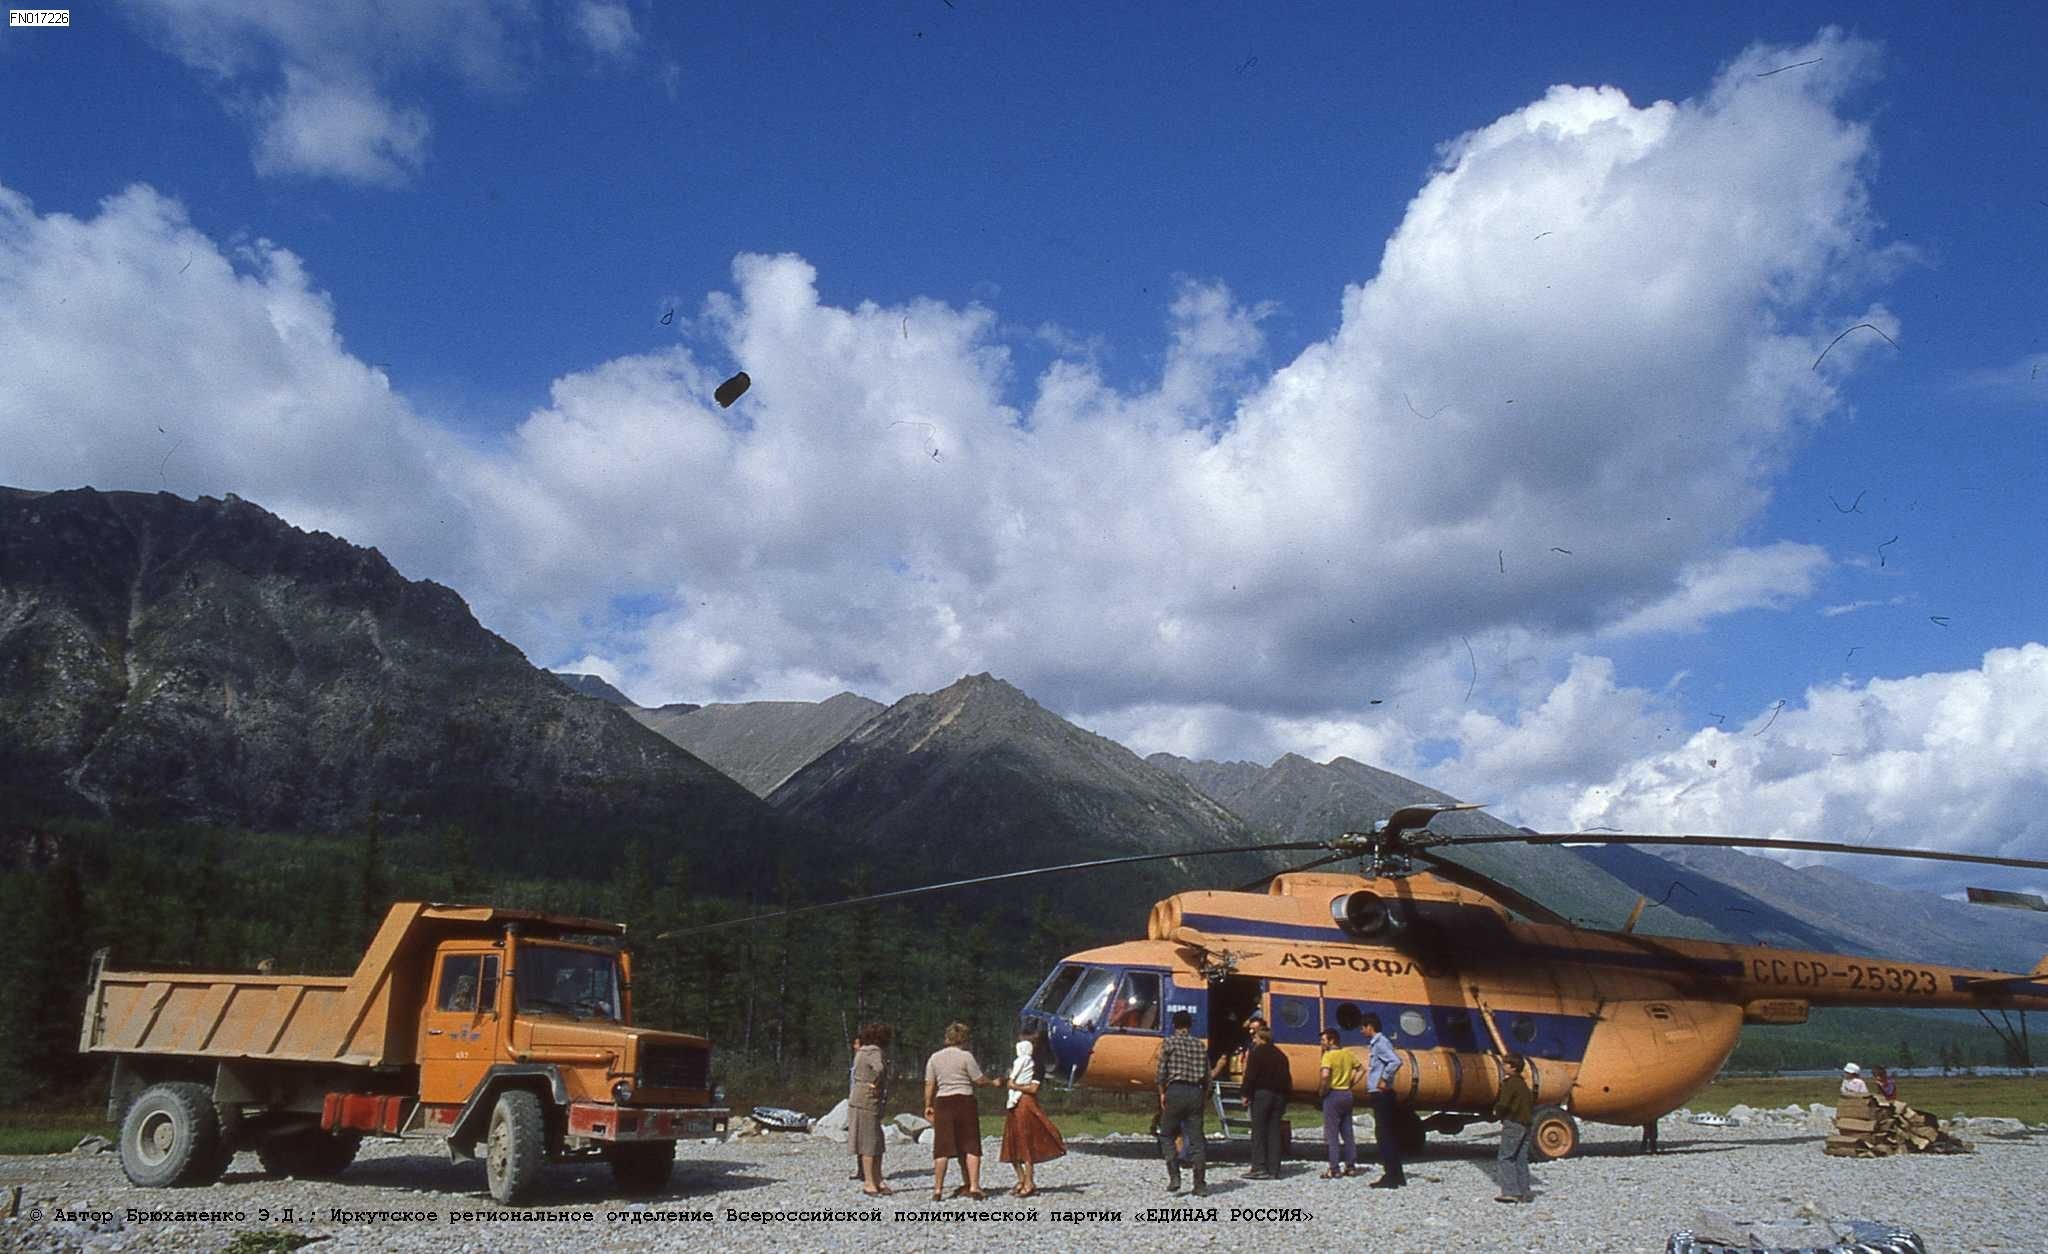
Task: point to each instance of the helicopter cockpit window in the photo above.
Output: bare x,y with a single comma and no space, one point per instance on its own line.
1137,1003
1349,1017
1057,988
1083,1007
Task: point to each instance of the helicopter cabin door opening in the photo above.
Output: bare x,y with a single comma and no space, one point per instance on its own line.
1232,1000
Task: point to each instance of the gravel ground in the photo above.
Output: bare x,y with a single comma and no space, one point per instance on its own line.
1606,1198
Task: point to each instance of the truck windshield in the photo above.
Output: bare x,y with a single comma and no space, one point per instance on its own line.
568,981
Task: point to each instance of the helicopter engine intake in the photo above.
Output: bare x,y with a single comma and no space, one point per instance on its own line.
1369,915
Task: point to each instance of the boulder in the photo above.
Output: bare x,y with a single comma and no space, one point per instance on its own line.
832,1123
911,1124
99,1145
1739,1115
893,1135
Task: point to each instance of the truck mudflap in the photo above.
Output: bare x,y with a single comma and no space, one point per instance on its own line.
604,1121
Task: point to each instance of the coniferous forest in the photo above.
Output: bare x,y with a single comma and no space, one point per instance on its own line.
779,999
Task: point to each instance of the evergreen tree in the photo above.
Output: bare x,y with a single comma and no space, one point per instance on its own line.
373,885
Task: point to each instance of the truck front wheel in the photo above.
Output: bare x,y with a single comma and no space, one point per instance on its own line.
172,1138
642,1167
517,1146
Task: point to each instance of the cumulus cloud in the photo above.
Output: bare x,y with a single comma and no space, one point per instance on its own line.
606,28
1955,760
1508,446
1739,579
323,84
237,381
339,130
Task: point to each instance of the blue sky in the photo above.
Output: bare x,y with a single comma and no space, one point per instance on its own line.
1211,373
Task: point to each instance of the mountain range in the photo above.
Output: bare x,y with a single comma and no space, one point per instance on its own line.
165,661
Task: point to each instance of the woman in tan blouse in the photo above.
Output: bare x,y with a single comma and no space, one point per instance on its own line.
950,1078
864,1104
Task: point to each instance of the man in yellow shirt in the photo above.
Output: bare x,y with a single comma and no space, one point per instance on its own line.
1340,1068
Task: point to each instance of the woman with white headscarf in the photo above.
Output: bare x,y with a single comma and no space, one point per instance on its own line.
1029,1137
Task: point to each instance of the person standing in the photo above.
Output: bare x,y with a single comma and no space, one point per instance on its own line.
864,1104
1333,1091
950,1078
1380,1065
1516,1109
1029,1137
1183,1078
1267,1085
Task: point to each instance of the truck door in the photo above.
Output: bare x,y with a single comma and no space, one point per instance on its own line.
459,1025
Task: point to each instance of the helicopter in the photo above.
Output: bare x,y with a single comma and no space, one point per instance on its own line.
1460,970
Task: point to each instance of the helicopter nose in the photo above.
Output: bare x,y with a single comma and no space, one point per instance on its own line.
1070,1046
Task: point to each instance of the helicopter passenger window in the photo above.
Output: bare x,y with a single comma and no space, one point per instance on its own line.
1137,1003
1349,1017
1292,1013
1057,988
1412,1023
1523,1029
1083,1007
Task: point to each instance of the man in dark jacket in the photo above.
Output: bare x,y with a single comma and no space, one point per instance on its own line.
1267,1084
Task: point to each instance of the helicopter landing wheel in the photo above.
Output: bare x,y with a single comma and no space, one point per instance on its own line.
1555,1134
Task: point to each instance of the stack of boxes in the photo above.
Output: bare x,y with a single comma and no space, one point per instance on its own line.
1872,1127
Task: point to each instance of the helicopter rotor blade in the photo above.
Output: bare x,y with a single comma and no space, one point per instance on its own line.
1514,899
1526,837
898,893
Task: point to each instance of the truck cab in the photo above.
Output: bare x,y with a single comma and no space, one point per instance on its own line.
506,1035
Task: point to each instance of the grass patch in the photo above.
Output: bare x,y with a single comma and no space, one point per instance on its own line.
50,1131
2016,1097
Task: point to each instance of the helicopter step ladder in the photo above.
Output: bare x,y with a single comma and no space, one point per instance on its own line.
1229,1097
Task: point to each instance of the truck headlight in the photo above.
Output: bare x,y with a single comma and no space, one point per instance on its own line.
622,1092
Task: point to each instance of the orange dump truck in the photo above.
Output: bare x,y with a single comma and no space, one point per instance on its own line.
505,1034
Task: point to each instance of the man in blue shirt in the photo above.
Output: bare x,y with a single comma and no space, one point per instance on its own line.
1381,1063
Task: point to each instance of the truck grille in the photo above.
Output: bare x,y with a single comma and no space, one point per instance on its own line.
675,1066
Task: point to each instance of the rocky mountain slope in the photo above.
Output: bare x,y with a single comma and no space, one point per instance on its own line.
173,661
979,778
594,686
761,743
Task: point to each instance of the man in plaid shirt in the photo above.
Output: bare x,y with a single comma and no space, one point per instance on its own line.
1183,1084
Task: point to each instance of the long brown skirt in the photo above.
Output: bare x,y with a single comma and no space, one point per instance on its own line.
956,1127
864,1131
1028,1136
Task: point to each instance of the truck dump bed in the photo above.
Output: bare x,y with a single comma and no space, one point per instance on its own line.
368,1019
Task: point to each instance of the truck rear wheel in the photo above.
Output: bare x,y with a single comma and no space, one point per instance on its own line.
642,1167
517,1146
171,1138
309,1155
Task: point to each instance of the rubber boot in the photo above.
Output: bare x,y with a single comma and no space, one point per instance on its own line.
1201,1189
